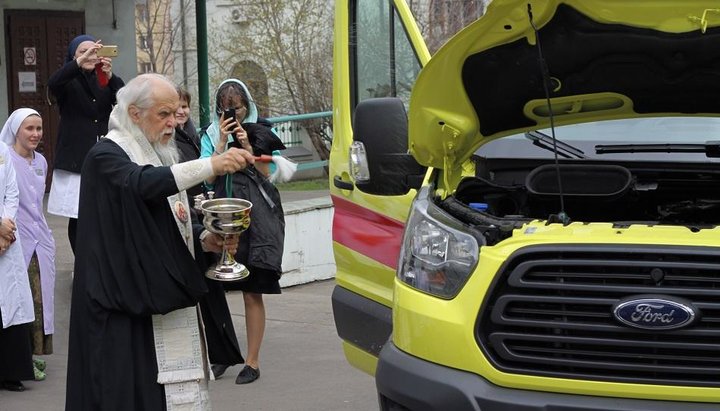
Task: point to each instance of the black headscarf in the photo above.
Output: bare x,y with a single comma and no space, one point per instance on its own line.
75,43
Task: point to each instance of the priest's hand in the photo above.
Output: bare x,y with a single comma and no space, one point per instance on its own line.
215,243
230,161
7,229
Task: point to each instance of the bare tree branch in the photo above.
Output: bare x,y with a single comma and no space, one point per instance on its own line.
292,42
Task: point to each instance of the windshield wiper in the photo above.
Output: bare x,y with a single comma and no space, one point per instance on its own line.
710,148
544,141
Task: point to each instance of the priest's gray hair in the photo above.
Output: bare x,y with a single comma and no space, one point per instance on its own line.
139,91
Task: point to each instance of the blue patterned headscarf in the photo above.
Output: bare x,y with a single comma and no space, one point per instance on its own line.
75,43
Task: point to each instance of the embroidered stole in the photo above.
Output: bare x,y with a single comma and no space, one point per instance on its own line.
179,345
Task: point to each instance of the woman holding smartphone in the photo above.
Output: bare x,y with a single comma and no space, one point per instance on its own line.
85,88
261,245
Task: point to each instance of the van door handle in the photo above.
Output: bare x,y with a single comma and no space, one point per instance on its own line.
343,185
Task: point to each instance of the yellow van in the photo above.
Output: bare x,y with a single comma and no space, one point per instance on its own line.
528,219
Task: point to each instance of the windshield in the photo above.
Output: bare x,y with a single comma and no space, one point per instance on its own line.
586,136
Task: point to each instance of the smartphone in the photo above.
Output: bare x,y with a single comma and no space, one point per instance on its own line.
230,113
108,51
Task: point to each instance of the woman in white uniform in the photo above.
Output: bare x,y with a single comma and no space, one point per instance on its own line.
16,303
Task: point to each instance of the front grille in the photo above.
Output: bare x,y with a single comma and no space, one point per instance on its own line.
550,313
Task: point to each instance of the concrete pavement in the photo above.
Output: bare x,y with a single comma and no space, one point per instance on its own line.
302,365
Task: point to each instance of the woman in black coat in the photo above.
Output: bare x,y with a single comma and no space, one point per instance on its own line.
84,88
186,136
222,342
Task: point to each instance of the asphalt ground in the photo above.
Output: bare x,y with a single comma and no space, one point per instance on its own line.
302,366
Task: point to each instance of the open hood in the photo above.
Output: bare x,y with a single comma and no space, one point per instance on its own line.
606,59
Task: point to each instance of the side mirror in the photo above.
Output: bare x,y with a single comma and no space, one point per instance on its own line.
380,125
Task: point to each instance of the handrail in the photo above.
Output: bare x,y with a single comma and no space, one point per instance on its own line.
288,127
298,117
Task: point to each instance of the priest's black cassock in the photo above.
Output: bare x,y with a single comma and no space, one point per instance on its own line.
131,263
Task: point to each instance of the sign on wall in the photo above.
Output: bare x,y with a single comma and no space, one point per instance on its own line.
27,82
29,56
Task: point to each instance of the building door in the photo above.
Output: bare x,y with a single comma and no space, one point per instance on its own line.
36,45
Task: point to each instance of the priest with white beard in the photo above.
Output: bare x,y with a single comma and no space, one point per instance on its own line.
135,339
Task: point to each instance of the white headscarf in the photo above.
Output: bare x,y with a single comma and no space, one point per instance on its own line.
10,129
252,115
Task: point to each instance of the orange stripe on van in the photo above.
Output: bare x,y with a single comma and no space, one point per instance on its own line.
367,232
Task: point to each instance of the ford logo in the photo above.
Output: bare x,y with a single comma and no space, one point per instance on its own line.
655,312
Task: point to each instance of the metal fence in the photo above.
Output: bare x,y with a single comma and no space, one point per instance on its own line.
290,128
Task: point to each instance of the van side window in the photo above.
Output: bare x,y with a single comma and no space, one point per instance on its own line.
385,62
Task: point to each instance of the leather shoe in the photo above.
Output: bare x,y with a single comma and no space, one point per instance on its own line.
219,369
16,386
247,375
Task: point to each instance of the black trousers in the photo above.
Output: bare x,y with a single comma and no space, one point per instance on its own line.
16,353
72,233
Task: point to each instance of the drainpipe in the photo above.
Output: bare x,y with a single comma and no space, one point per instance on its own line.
114,16
202,62
183,42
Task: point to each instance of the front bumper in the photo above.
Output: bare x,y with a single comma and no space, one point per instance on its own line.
405,382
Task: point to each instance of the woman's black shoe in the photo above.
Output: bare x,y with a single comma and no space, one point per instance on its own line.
218,369
247,375
13,386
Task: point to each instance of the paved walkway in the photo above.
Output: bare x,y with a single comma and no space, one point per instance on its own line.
302,364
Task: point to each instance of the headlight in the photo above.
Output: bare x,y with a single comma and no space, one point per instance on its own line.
439,252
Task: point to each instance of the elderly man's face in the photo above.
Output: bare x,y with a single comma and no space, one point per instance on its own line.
158,121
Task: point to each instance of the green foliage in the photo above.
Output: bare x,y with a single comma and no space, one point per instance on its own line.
286,44
282,49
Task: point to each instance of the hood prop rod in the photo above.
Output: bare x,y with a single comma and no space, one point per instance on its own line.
562,216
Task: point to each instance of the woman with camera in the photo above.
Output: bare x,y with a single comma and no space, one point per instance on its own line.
84,88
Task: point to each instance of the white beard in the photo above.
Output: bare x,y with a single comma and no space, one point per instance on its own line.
168,153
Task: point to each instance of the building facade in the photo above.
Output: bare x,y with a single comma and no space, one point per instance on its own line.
37,34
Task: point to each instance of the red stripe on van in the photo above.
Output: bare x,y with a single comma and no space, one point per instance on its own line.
367,232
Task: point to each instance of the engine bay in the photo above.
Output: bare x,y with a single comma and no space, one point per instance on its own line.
505,193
